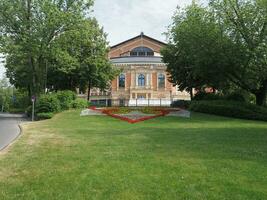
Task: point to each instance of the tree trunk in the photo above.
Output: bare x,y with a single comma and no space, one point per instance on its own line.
34,83
30,57
261,94
191,93
89,91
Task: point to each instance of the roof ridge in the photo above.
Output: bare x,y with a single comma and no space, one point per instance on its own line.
142,35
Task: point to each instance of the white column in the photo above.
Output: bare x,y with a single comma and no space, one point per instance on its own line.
136,79
147,79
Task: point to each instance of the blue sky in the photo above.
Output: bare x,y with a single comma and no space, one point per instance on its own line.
123,19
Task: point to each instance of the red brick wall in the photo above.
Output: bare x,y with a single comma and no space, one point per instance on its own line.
114,84
127,47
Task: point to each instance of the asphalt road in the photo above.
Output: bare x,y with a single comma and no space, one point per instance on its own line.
9,128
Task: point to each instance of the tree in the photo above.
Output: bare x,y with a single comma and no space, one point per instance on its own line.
245,22
83,57
220,45
27,30
5,94
195,55
96,70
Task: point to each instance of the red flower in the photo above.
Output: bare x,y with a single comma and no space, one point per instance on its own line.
109,112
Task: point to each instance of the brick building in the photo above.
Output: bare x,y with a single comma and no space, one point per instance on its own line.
143,79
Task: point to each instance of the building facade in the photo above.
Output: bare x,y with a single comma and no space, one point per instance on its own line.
143,79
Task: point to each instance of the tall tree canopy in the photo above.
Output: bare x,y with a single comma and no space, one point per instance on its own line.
82,58
195,50
245,22
218,45
44,40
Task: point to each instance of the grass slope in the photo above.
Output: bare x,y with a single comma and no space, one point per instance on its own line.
98,157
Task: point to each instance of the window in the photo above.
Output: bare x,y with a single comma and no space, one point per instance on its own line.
142,51
121,81
161,81
141,80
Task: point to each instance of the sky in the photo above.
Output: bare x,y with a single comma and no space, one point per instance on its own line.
124,19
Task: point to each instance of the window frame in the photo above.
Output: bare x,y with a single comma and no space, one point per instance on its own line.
161,81
142,51
141,80
123,77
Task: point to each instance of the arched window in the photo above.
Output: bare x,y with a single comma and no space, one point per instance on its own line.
122,81
141,80
161,81
142,51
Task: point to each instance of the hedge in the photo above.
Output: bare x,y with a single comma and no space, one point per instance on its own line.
239,96
48,103
181,103
41,116
66,98
80,103
230,109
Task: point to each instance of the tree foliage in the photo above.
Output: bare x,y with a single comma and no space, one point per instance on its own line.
245,23
48,42
218,46
5,94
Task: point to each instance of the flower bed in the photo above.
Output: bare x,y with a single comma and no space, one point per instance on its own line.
137,115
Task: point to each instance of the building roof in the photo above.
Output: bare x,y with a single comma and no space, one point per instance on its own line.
142,35
137,60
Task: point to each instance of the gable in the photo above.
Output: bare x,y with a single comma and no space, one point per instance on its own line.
122,49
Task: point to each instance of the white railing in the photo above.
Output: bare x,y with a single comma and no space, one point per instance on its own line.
149,102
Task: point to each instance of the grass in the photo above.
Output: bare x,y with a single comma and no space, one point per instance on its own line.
98,157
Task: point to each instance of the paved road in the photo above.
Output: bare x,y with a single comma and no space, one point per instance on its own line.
9,129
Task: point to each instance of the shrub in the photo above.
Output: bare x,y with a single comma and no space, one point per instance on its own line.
17,110
20,100
236,96
207,96
79,103
48,103
230,109
29,111
41,116
5,106
180,103
66,99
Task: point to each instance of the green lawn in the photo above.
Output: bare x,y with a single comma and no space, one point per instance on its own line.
98,157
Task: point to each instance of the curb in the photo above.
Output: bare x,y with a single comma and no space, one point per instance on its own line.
5,148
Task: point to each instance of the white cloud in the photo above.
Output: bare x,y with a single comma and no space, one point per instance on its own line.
123,19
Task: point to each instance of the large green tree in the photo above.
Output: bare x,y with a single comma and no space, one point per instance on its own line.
197,55
245,22
218,45
28,29
82,57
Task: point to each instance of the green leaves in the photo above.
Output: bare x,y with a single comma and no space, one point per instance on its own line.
219,45
30,32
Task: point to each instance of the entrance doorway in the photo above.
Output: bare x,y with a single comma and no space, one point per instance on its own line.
141,96
122,102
